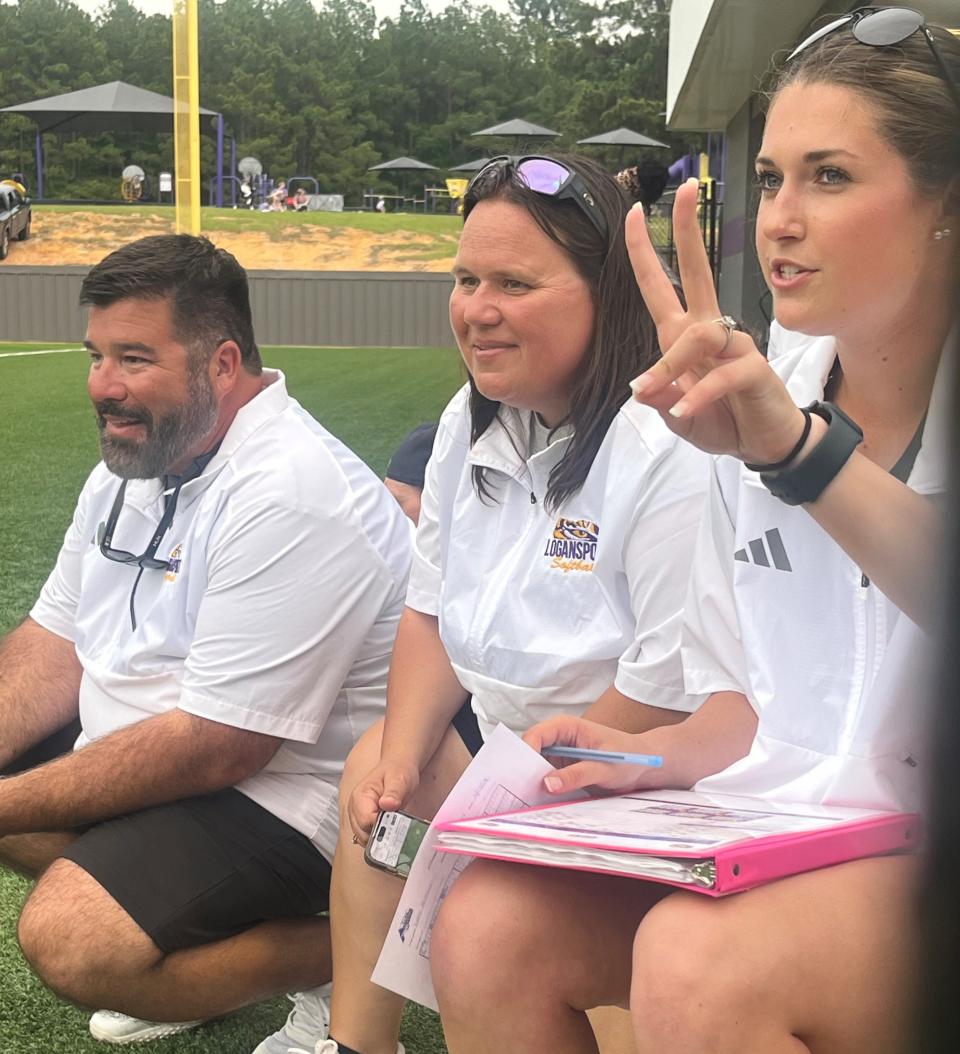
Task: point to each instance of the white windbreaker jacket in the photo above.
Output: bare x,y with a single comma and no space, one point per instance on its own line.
541,612
777,610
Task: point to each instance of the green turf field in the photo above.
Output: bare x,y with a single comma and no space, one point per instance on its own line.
367,397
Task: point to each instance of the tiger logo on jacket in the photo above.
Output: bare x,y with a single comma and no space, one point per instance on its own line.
573,546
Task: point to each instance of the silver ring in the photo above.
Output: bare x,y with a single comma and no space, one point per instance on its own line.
730,325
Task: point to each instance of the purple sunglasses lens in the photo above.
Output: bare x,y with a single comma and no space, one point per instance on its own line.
543,175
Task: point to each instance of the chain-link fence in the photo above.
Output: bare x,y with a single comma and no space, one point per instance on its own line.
710,214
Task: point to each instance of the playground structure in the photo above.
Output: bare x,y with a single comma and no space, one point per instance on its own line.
133,183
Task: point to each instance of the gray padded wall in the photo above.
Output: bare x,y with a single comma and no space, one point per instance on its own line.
338,308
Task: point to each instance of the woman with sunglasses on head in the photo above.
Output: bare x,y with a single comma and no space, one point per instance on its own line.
812,577
557,527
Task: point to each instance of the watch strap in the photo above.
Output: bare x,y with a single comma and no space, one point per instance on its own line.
806,481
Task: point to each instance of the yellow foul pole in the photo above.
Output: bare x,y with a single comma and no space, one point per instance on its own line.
186,116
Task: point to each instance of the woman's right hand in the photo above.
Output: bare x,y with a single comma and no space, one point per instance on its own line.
385,788
714,389
604,775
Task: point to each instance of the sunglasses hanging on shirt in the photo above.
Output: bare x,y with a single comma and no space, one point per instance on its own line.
148,559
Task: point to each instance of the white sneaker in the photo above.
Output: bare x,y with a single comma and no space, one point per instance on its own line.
329,1046
307,1025
110,1026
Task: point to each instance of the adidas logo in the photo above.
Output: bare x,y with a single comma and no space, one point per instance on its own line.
764,555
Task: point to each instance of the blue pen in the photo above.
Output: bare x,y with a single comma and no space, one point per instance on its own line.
583,754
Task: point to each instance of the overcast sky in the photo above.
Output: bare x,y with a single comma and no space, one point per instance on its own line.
384,8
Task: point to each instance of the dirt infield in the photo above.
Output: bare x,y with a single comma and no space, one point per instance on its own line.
79,237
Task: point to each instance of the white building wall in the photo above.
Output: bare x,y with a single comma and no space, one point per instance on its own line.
688,20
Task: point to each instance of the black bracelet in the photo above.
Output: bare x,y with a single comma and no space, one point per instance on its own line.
783,462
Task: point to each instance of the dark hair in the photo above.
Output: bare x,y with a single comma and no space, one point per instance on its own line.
624,341
645,181
916,113
206,286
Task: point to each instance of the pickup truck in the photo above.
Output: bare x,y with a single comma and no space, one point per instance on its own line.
15,216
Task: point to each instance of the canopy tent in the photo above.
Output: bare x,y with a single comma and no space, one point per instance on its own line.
113,107
622,137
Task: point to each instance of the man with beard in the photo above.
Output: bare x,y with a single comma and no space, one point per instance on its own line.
219,621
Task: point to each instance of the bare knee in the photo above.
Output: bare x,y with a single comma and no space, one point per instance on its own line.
76,937
361,759
686,976
489,935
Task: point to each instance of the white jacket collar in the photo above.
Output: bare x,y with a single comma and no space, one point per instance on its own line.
503,446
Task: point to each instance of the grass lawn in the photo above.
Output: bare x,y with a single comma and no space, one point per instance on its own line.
278,224
212,219
367,397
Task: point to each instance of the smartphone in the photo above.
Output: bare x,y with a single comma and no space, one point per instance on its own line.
394,842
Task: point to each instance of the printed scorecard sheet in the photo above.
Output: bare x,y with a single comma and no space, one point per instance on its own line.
506,774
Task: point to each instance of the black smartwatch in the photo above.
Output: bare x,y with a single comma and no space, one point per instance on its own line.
807,481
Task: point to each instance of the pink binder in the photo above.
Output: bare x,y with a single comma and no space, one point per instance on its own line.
695,833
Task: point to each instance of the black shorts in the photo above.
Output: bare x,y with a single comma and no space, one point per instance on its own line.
465,722
200,869
205,868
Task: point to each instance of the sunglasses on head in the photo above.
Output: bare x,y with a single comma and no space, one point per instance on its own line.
881,27
549,177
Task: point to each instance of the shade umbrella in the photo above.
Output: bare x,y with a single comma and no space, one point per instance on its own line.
472,166
520,131
622,137
402,164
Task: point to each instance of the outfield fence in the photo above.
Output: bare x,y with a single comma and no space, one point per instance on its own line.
362,309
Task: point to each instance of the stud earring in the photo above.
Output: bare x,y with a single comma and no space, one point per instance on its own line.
945,232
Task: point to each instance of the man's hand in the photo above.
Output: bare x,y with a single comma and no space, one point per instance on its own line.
385,788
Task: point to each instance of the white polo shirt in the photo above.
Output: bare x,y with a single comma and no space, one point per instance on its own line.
540,612
278,614
778,611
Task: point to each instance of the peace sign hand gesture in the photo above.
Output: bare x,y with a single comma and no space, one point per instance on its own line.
712,386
